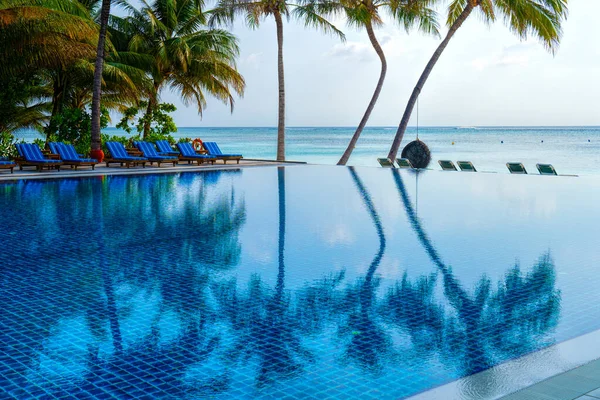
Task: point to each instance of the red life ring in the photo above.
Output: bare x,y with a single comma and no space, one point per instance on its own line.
197,144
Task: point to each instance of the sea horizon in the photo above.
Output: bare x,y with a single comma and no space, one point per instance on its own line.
573,150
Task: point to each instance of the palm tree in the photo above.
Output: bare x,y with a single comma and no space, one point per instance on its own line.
540,18
255,11
366,13
96,150
36,34
170,38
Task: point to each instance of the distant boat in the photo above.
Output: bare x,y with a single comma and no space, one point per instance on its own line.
466,127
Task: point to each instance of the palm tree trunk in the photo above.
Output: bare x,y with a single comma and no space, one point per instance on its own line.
417,90
148,117
281,113
97,86
365,118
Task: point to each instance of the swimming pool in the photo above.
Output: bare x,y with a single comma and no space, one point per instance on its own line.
296,282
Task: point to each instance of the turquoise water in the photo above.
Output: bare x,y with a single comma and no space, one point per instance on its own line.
572,150
303,282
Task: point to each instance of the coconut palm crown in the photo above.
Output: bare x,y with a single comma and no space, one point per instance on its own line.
367,14
254,11
179,51
537,18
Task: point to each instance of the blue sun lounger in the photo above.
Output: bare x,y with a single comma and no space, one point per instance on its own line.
69,156
214,150
189,154
152,155
32,156
7,164
118,154
165,149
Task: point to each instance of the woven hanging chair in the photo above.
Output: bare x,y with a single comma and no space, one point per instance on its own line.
418,153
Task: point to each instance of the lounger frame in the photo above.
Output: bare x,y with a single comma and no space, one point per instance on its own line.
7,165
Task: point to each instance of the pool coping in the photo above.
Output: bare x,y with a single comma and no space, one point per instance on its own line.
101,170
564,371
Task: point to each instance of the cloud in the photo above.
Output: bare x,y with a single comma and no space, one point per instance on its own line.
339,234
385,39
516,55
355,51
253,60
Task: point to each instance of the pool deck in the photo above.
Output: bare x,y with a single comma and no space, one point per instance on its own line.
101,169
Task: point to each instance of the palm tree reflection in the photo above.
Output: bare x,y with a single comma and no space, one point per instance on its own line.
369,342
263,323
492,326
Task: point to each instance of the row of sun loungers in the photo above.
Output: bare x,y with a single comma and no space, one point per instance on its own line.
65,154
467,166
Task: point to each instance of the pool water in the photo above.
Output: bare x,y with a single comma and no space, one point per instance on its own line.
290,282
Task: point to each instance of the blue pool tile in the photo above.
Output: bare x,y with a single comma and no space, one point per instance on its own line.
269,283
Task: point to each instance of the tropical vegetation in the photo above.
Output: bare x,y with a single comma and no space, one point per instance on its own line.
73,64
70,59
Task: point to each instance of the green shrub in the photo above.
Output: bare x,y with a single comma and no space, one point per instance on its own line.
74,126
7,145
161,123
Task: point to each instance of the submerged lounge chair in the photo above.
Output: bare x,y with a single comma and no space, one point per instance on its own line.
447,165
69,156
385,162
165,149
118,154
7,164
516,168
214,150
466,166
189,154
404,163
32,156
152,155
546,169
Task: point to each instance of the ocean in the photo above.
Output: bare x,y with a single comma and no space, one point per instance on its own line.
572,150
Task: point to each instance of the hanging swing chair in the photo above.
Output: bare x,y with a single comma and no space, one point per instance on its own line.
417,151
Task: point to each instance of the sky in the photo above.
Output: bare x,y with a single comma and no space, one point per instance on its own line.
487,76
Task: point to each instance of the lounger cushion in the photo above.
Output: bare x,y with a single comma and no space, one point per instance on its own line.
165,149
213,149
187,150
150,152
118,152
32,153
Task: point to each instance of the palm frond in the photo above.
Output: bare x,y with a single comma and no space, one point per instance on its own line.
311,17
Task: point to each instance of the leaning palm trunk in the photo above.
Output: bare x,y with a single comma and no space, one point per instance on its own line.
417,90
365,118
281,115
97,86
